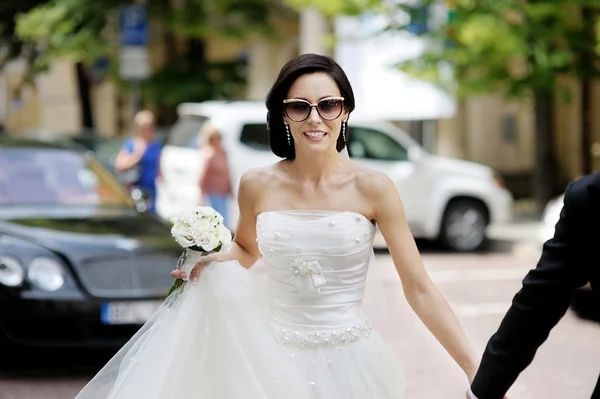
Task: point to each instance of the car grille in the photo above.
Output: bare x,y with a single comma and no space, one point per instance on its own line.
128,276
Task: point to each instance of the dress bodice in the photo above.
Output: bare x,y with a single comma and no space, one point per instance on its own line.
316,263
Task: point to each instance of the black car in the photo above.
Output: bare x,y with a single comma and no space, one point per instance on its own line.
79,265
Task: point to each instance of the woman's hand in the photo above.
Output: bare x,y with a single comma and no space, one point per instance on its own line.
204,261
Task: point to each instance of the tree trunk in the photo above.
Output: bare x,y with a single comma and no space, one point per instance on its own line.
545,171
85,99
196,53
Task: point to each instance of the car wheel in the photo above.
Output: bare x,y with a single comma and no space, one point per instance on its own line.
463,225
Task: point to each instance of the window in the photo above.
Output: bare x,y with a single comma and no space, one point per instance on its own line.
185,131
43,176
254,135
366,143
509,128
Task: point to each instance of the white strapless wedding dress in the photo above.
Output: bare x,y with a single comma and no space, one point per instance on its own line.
302,335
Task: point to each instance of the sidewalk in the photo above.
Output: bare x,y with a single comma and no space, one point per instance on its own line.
523,237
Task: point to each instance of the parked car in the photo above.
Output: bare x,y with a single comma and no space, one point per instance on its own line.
583,301
446,199
79,265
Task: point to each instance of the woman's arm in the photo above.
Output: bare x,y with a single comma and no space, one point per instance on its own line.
421,293
244,247
130,155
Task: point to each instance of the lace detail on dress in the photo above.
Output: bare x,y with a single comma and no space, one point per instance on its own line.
319,339
308,275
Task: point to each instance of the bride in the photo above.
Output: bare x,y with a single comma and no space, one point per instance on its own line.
304,334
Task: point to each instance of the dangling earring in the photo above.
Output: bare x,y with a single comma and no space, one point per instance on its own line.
344,130
287,132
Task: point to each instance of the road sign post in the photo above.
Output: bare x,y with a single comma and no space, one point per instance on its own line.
134,64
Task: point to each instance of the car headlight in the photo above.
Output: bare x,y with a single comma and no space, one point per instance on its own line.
46,274
11,271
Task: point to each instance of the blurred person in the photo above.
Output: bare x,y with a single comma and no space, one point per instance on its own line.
569,261
304,330
140,155
215,181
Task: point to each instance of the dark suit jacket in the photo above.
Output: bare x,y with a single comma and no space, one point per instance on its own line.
569,260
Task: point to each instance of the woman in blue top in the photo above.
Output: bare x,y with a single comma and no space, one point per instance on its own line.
142,152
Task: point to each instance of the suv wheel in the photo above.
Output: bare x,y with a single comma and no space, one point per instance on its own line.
463,225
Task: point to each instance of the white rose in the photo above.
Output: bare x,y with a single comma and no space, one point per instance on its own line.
184,241
223,233
182,235
224,236
177,229
202,225
209,242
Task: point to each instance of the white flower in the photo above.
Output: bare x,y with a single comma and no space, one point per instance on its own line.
224,233
208,242
205,211
202,227
182,235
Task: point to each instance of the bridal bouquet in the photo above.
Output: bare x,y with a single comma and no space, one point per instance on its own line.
200,231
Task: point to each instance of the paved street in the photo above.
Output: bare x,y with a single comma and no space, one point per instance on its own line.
479,287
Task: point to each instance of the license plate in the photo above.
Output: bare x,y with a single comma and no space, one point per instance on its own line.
134,312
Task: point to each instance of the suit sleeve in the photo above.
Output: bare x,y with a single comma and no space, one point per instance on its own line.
542,301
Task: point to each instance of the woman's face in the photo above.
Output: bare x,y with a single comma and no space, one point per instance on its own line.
146,131
215,140
312,129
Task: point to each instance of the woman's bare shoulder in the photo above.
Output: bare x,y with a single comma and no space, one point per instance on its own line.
370,182
260,178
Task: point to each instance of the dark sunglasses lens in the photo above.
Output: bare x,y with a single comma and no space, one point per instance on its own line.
330,109
297,110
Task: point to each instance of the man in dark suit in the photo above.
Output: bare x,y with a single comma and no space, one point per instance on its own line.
569,261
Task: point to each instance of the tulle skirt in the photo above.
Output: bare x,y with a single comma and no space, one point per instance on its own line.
214,340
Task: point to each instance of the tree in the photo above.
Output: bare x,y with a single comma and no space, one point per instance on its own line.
519,48
11,46
87,31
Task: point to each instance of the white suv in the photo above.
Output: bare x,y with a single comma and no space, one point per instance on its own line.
446,199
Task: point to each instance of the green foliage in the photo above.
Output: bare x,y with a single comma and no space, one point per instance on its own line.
11,46
510,46
175,83
71,28
332,8
84,31
488,45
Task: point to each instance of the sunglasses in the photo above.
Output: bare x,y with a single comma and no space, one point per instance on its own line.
299,110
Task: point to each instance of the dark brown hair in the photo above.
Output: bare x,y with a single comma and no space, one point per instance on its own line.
306,63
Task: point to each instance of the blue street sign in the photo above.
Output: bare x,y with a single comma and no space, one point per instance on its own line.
133,23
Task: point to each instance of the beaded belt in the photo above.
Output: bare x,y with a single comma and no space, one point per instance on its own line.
320,339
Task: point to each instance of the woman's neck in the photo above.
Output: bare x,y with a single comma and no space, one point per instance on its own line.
314,168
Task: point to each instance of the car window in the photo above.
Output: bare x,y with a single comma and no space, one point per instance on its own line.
254,135
367,143
56,176
185,131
